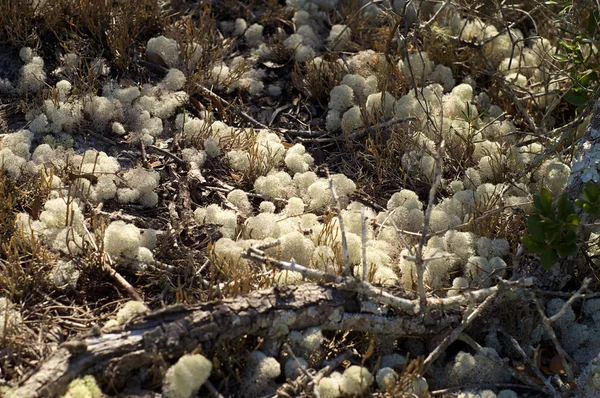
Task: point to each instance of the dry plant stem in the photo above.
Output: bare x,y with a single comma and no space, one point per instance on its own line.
563,354
475,345
363,234
338,210
493,73
235,109
486,214
153,148
295,358
210,93
144,155
517,262
240,113
564,294
259,256
213,391
570,301
566,139
533,366
435,16
476,295
420,262
228,188
158,265
332,365
301,381
451,338
355,134
356,14
123,282
328,369
107,265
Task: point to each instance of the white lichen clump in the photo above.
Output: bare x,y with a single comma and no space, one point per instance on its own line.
184,379
261,370
356,380
84,387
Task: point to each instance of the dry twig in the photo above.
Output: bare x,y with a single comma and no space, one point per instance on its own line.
548,326
452,337
533,366
486,354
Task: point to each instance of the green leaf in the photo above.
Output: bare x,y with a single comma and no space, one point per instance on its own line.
592,25
576,98
567,46
546,203
586,77
560,58
547,224
566,249
570,237
534,228
549,258
581,202
554,234
537,203
572,219
591,192
532,244
565,207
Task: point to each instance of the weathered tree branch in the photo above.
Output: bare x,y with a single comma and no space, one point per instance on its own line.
114,357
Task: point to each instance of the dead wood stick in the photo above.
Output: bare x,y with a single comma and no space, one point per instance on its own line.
362,287
532,365
452,337
487,355
107,265
567,360
421,262
117,355
338,211
570,301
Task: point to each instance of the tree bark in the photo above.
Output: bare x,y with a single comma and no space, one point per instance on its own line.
114,357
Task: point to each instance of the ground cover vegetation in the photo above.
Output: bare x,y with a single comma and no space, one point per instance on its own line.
325,198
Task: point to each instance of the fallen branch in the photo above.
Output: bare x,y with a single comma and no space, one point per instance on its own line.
533,366
452,337
114,357
362,287
487,355
561,351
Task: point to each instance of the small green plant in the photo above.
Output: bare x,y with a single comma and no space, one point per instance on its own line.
552,228
579,53
590,203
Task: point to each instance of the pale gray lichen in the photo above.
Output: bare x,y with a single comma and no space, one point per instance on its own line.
335,317
281,325
586,164
372,307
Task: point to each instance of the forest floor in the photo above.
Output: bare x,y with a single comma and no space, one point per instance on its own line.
315,198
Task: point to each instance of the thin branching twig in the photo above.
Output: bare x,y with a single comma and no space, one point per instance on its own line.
548,326
452,337
419,260
532,365
338,210
486,354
